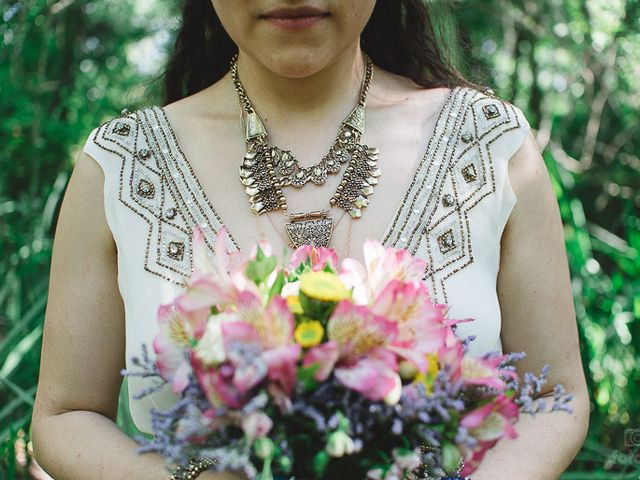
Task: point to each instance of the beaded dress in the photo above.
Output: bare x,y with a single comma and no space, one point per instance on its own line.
452,215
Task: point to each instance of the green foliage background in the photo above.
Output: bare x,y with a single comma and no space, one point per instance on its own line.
572,66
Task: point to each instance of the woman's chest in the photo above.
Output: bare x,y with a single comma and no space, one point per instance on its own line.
442,196
377,182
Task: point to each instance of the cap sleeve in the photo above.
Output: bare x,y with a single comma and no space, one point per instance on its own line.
505,150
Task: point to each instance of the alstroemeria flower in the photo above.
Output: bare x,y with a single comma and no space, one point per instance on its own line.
218,279
488,424
422,326
217,384
473,370
381,266
357,351
179,330
260,343
317,256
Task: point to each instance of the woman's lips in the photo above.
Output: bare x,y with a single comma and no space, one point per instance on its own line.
295,23
295,18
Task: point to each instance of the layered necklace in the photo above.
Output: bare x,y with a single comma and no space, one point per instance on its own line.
267,169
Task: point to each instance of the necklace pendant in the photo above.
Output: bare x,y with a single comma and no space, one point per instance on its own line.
312,228
255,128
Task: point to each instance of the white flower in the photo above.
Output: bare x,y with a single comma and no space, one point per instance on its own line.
210,348
290,289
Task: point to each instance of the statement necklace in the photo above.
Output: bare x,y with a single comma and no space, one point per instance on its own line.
267,169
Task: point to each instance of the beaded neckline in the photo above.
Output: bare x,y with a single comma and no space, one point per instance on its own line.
392,236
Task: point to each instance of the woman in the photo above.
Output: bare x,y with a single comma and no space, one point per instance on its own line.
452,159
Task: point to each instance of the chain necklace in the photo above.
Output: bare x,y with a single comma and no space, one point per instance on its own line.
266,169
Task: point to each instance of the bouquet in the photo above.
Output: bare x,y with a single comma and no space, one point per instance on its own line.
312,368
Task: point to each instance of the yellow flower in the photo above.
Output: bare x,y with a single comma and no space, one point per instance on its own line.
323,286
430,375
309,333
293,301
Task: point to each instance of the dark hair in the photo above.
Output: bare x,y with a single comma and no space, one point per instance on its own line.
400,37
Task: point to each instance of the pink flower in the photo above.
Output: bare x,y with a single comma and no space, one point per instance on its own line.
178,329
382,265
217,280
318,256
217,385
357,351
422,326
488,424
473,370
260,343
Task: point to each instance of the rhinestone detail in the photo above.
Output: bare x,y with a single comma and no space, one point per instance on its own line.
490,111
446,241
170,213
469,173
144,154
175,250
122,128
146,188
448,200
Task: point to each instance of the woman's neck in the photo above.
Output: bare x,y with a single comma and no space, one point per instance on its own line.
333,89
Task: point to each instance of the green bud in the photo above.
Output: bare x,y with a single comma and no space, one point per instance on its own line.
339,444
451,458
285,464
264,448
407,370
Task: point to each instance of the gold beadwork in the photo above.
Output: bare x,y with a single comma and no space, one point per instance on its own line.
419,213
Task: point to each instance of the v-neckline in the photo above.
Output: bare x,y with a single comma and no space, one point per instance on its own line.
203,201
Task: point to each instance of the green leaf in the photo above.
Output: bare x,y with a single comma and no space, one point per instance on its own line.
258,270
279,282
316,309
305,376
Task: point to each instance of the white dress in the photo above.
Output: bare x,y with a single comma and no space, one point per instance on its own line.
453,216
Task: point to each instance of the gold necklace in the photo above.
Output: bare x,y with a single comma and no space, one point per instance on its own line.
266,169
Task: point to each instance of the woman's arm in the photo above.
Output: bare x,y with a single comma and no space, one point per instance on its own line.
74,431
538,318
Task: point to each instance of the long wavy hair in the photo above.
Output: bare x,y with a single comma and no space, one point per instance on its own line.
400,37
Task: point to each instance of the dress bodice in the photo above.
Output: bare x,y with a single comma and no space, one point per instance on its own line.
452,215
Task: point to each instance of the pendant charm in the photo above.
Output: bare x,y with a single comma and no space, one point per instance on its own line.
260,183
362,174
312,228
